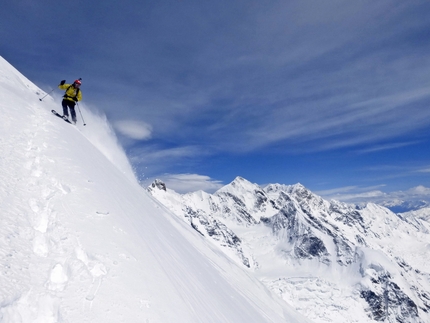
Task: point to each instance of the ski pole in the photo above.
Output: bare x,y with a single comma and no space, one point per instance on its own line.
46,95
81,114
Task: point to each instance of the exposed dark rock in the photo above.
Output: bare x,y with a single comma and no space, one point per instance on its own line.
217,231
159,184
391,302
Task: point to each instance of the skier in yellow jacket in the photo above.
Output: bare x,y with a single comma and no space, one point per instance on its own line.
73,94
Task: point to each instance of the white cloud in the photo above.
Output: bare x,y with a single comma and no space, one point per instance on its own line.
358,195
419,191
151,161
348,190
184,183
133,129
387,147
354,194
151,155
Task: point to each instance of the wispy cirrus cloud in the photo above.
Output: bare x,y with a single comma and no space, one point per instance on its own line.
354,194
251,75
153,153
184,183
244,78
388,146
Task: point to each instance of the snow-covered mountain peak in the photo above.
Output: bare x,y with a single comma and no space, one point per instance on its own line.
158,184
243,193
276,188
239,184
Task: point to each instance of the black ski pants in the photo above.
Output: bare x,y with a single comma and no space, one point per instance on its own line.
71,105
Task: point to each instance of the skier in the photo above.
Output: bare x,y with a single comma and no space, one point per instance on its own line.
73,94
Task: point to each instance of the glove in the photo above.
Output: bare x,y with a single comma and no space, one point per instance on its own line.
75,99
62,82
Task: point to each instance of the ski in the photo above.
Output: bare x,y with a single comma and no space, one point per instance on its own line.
60,116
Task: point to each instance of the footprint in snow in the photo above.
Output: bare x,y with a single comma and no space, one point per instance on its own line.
40,245
58,278
98,271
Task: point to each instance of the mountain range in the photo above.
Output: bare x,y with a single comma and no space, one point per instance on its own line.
333,262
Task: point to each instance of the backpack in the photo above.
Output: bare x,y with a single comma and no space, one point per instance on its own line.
76,96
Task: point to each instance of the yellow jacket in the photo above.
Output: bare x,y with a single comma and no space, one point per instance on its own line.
71,92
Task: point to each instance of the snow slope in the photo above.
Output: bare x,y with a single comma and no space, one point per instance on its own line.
81,241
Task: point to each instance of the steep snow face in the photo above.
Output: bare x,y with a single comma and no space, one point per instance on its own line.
419,218
81,241
244,202
331,261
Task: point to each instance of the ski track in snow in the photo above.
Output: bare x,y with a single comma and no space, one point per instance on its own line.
43,254
36,222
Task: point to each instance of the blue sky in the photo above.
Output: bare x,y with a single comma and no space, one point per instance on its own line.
332,94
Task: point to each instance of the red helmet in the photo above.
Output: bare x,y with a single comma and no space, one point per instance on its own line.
78,82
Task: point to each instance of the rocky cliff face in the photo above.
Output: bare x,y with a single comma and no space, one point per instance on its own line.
300,244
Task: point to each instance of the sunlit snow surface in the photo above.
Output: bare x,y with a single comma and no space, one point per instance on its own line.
81,241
